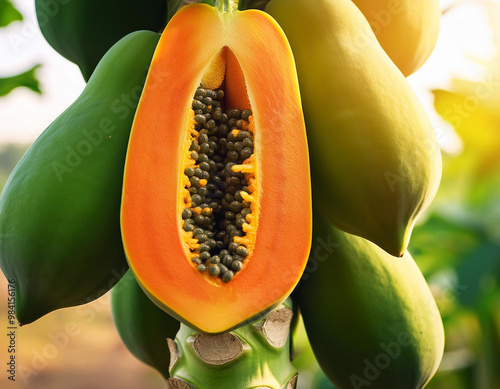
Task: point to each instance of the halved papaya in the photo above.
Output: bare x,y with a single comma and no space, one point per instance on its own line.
217,171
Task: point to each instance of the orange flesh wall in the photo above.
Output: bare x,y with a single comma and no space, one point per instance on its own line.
247,55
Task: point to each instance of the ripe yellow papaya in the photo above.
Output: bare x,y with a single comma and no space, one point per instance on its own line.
406,29
60,236
371,318
143,327
227,169
375,160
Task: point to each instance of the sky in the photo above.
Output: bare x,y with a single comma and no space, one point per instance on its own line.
464,35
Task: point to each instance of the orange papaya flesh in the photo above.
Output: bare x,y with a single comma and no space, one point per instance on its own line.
244,56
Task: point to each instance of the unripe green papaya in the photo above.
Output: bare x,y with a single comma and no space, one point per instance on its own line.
60,236
83,30
255,355
143,327
375,161
371,318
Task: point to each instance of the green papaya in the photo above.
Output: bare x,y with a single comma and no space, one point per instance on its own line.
371,318
60,236
143,327
255,355
82,31
375,160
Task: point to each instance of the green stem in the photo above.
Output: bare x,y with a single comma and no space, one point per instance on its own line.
227,5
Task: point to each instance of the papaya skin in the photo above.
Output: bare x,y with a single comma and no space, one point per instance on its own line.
143,327
152,203
375,160
361,302
83,30
60,234
406,30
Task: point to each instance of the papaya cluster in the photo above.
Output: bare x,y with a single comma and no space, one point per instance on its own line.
375,166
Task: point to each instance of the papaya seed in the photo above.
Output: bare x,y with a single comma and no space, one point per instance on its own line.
196,260
200,119
213,270
204,148
201,238
199,105
227,260
186,214
222,269
227,276
242,251
237,265
245,115
214,260
188,227
201,268
204,248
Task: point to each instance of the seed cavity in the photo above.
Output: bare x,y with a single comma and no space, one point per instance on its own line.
219,186
218,349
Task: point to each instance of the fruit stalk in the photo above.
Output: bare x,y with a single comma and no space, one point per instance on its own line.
227,5
254,355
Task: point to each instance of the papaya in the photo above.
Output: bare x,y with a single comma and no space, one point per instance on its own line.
406,30
255,355
375,160
82,31
217,155
60,236
142,326
371,318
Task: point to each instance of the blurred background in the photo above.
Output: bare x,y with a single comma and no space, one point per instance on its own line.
456,244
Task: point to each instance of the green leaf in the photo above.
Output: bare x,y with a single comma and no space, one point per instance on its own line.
27,79
443,241
479,273
489,315
8,13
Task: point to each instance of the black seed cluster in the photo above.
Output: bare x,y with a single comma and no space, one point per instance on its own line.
218,210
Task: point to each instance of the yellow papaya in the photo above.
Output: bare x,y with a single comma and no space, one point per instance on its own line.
217,166
375,161
406,29
371,318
